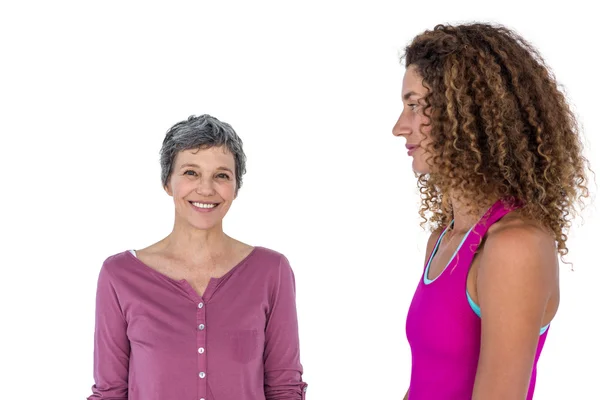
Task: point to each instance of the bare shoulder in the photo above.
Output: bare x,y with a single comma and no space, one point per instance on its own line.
517,249
516,237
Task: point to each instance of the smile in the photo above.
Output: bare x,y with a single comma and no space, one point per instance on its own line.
204,206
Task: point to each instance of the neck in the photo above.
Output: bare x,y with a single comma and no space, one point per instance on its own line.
465,219
190,243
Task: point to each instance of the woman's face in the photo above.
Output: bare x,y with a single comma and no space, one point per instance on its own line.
203,186
411,120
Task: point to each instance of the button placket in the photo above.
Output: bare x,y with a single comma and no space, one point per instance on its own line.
201,350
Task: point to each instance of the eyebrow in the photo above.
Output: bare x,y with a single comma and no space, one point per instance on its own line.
408,95
189,165
225,169
197,166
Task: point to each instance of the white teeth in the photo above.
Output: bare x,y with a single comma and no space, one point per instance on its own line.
202,205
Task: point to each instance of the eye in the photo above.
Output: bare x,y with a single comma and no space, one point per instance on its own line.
413,107
223,176
190,172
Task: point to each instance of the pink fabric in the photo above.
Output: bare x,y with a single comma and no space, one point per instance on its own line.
157,339
444,332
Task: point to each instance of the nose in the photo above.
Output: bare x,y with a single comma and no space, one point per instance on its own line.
205,187
402,126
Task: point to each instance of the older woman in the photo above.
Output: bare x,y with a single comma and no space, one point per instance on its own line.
198,315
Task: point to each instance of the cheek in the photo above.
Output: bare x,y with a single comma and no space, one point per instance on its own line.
227,190
423,122
424,132
181,187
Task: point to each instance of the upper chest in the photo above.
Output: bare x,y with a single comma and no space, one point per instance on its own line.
172,292
196,275
456,250
462,259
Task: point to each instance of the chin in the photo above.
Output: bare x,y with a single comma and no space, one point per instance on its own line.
202,223
420,169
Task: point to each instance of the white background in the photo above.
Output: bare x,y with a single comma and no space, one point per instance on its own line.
88,90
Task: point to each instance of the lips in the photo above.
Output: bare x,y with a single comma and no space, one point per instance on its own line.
203,206
411,148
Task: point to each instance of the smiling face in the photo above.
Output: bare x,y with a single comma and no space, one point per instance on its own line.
203,186
411,122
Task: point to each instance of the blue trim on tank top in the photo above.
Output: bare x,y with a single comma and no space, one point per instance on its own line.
476,309
437,245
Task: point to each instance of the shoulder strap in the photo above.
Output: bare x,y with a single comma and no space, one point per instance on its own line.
466,253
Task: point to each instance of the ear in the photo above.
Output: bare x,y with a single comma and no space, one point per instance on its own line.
167,188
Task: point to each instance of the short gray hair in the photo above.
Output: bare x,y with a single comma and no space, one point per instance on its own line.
201,132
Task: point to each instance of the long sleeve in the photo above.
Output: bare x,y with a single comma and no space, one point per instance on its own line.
111,345
283,370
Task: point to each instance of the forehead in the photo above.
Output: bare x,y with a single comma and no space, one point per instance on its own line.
206,156
413,82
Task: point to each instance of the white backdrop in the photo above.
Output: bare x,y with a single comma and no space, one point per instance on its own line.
87,91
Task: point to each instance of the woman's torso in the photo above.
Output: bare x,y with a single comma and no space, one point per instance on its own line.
184,345
443,324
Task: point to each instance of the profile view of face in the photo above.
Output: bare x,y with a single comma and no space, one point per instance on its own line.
410,124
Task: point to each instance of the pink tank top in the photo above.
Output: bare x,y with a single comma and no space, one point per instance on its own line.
443,329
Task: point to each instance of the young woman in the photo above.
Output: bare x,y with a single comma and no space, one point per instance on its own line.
198,315
499,165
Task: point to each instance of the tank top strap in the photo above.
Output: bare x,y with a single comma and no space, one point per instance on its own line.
498,210
466,253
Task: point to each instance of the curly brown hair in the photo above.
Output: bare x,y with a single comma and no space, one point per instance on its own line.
500,127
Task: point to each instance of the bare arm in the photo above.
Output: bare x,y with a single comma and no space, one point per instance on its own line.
515,281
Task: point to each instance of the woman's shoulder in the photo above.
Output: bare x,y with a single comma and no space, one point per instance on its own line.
269,258
271,264
116,264
516,231
520,239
